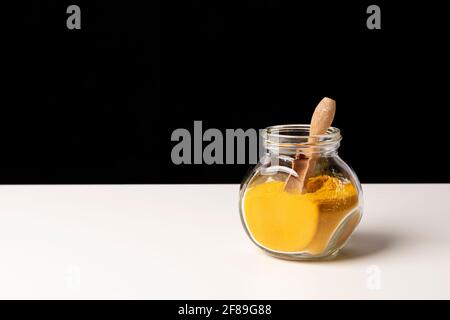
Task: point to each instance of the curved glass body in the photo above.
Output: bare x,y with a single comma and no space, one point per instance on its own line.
313,222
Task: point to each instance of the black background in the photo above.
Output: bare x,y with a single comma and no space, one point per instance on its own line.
98,105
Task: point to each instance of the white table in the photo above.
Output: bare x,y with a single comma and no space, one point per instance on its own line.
187,242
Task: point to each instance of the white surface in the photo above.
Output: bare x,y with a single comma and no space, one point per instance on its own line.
187,242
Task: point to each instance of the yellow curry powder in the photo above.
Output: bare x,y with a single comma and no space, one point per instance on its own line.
282,221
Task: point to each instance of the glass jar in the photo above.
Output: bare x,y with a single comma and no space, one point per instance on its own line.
316,221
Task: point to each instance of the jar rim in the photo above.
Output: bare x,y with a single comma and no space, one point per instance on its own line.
296,136
286,130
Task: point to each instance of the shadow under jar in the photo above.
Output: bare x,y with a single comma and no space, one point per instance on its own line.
314,223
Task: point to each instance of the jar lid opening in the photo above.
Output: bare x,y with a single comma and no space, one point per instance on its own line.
297,136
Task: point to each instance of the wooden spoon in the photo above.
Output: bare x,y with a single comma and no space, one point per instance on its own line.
320,122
